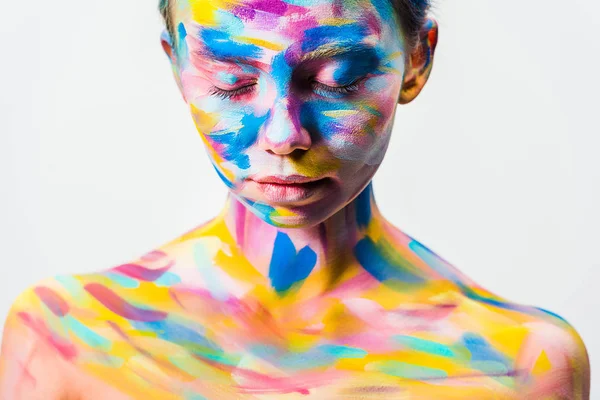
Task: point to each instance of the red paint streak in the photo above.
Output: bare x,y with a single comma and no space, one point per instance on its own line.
52,300
142,273
119,306
64,348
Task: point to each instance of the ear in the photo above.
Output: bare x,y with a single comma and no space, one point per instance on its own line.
166,41
419,62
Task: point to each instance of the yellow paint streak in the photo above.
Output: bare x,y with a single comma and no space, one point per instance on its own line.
260,42
204,11
336,21
205,122
339,113
393,56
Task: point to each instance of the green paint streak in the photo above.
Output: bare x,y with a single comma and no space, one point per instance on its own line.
406,370
343,351
90,337
425,346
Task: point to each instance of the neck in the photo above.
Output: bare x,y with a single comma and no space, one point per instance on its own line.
289,255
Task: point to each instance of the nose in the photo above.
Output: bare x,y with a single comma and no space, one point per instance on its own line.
283,133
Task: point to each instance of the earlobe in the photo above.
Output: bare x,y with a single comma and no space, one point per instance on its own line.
419,62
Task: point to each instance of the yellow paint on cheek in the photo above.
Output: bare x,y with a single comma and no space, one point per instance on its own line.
339,113
205,122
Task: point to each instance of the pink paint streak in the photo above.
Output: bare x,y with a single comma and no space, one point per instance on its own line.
64,348
116,304
52,300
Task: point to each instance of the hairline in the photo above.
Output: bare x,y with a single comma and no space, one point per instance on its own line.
410,34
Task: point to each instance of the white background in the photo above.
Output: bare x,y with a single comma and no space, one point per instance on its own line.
496,166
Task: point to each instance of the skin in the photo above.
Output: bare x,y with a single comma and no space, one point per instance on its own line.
291,292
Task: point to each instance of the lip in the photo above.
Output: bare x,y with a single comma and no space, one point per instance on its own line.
290,189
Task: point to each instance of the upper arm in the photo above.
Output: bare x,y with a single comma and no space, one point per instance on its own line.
555,362
29,365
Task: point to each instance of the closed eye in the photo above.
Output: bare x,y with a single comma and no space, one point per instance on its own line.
228,94
318,87
327,90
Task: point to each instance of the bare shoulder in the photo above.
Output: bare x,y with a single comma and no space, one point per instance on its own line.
555,359
549,357
31,358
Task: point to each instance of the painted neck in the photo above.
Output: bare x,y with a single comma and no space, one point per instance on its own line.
329,244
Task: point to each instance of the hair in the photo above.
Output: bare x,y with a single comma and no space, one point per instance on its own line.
411,16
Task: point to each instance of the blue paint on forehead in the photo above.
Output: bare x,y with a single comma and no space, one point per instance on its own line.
386,10
345,34
221,45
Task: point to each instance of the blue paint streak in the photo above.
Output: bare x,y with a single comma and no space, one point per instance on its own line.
167,279
313,120
182,47
339,351
481,350
287,267
223,178
221,45
374,261
175,333
426,346
356,64
87,335
344,34
122,280
433,260
236,143
363,206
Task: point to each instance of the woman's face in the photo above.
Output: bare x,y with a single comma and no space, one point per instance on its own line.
294,100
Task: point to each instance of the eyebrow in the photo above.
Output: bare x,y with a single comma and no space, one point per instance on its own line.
329,50
326,50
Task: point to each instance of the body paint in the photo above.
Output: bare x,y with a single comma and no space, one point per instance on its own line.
316,296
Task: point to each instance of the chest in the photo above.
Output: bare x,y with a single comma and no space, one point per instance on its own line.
323,350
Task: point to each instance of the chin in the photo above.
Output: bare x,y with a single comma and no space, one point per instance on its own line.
295,216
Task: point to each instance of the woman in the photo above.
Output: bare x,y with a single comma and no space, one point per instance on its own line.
300,287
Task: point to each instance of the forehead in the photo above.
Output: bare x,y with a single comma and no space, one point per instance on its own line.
270,26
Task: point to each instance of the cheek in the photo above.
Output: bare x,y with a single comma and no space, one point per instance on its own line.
228,135
355,130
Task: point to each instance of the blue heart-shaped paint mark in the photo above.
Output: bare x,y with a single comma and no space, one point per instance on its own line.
288,267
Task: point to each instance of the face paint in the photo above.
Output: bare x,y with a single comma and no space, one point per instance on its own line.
294,101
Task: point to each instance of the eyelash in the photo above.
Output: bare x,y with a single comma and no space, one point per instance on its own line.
317,86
